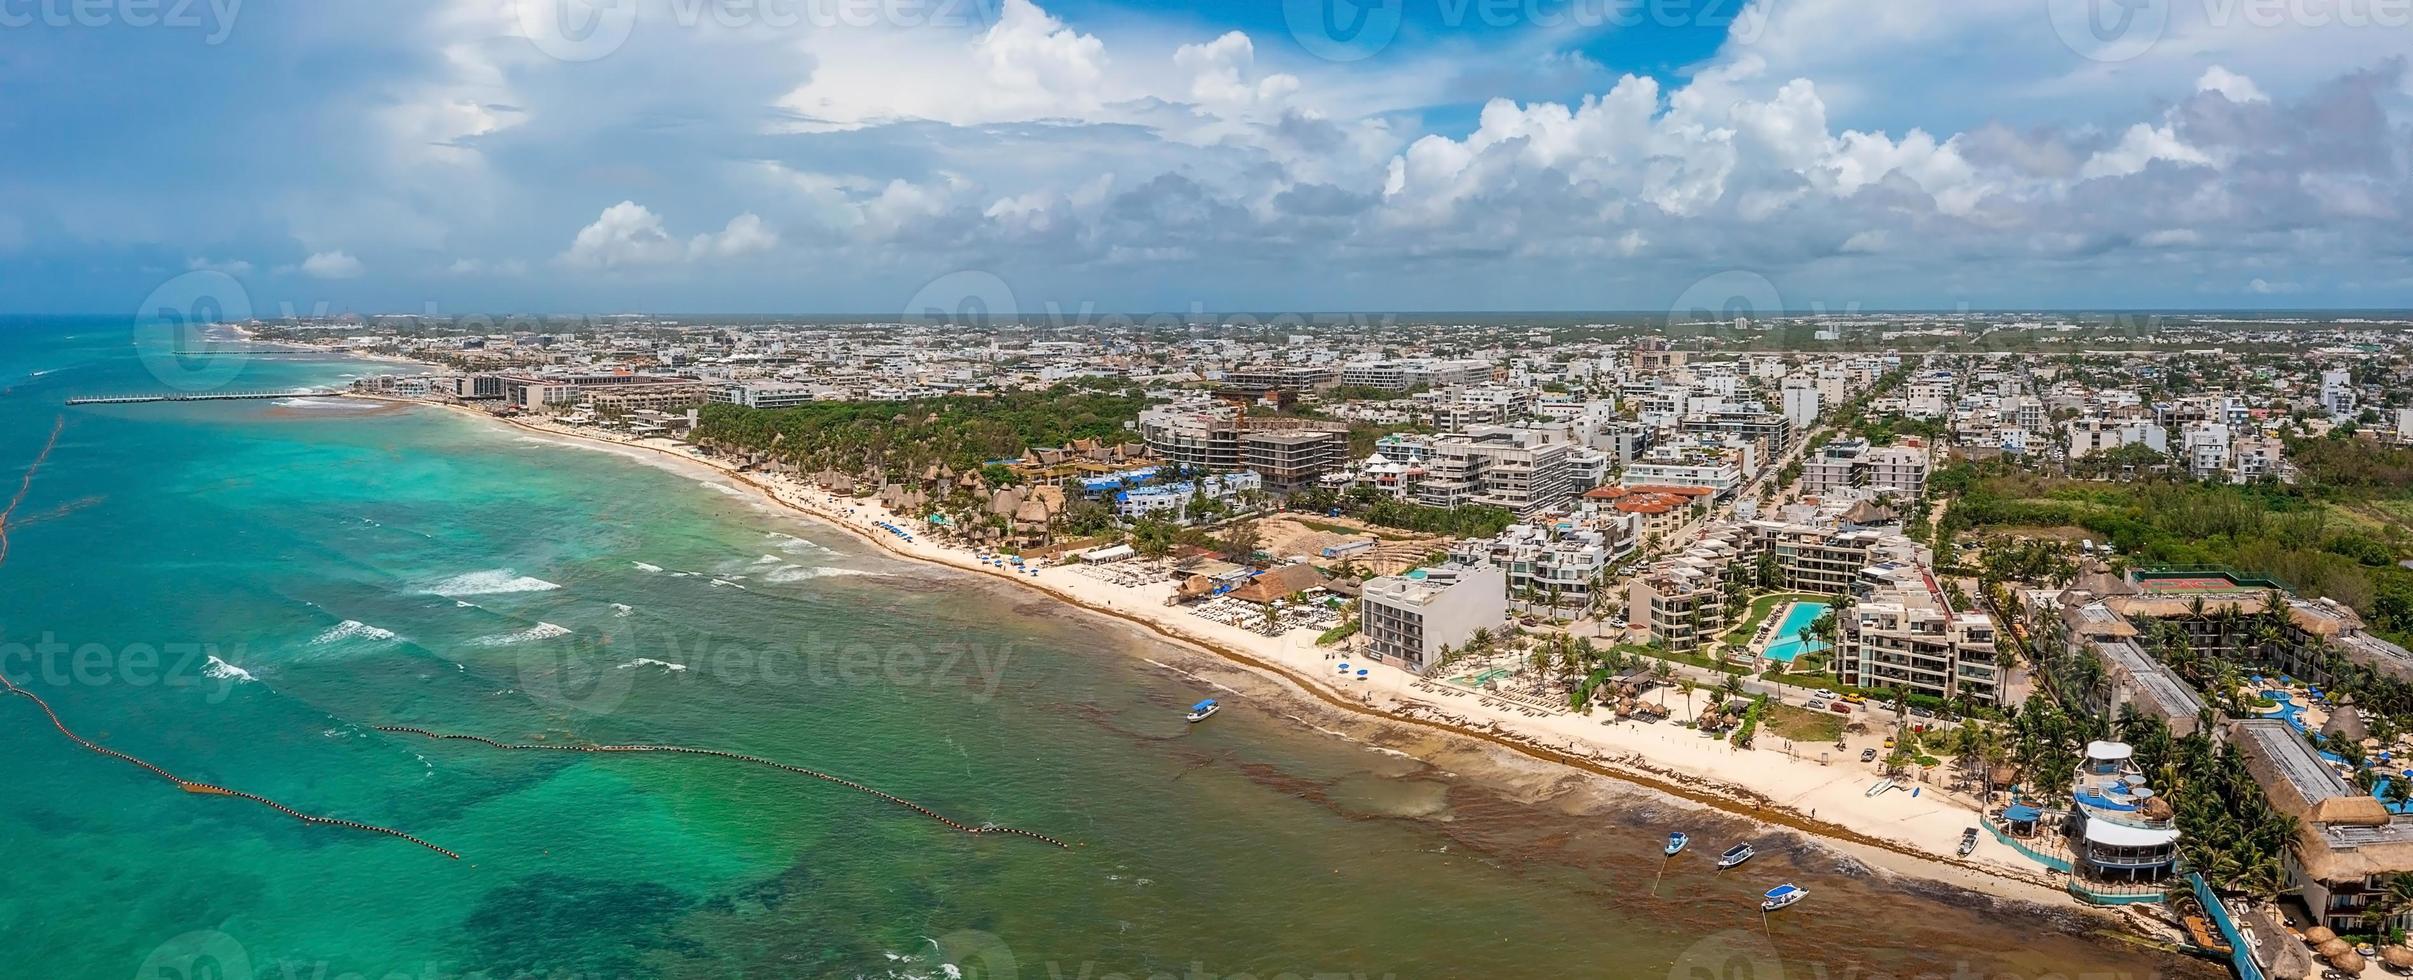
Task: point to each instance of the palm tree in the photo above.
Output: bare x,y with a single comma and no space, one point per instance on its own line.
1685,685
2391,903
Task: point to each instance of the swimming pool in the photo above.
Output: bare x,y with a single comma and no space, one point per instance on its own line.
1788,644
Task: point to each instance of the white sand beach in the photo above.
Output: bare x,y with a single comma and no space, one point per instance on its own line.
1775,783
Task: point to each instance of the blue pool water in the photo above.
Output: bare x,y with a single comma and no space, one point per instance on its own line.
1788,643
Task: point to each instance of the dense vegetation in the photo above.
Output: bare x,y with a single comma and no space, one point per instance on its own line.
1375,507
2292,533
959,431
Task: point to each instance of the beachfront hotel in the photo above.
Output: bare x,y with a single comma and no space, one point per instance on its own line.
1905,634
2348,842
1408,619
1217,437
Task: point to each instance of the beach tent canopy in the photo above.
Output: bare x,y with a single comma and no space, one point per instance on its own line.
2022,814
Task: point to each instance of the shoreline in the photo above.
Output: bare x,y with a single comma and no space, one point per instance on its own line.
1633,769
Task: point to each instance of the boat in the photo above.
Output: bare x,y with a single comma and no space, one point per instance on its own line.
1882,786
1781,896
1203,710
1968,841
1676,842
1735,855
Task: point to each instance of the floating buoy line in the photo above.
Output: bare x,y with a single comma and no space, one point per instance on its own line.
740,757
209,789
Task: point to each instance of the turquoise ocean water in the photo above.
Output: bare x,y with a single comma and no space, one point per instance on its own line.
350,565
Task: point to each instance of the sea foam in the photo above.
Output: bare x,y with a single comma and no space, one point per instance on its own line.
650,662
221,670
493,581
540,631
351,629
800,573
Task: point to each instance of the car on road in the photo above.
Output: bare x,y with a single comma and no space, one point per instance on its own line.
1921,713
1868,755
1840,707
1854,698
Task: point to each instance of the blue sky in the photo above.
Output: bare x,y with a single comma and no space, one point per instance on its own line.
461,156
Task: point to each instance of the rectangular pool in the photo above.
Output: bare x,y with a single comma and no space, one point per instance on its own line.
1788,644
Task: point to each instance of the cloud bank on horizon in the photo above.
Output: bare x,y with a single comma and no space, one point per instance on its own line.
841,155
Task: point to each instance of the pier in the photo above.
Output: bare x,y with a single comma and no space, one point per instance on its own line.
202,396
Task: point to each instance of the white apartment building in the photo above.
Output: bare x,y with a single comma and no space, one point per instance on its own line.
2204,447
1902,469
2337,392
2094,435
1554,571
1407,619
1521,469
1801,401
1905,634
1401,375
769,394
1720,473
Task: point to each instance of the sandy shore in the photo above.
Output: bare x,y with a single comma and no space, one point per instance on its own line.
1768,784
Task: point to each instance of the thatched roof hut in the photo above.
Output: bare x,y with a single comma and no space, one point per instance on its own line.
2284,956
1279,583
2347,723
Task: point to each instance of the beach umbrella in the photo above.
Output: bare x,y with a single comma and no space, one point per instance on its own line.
2397,956
2332,948
2349,961
2318,935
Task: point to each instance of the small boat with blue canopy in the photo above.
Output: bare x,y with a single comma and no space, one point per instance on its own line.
1676,842
1203,710
1781,896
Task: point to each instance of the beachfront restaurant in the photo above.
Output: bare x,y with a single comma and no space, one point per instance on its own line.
2120,829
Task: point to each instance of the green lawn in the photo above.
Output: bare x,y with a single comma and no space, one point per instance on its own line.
1803,724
